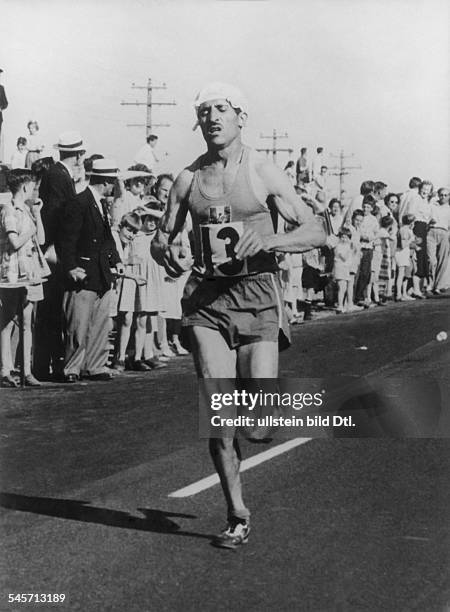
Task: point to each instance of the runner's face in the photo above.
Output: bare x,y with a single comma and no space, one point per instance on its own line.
219,122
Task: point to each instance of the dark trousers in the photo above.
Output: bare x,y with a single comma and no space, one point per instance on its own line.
48,350
364,273
421,230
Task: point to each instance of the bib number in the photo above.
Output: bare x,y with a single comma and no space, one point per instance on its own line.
218,246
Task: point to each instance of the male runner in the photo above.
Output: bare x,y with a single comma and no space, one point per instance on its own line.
232,304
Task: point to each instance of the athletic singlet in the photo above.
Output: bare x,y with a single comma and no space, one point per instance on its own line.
218,223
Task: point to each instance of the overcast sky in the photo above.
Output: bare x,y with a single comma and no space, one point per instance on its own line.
367,76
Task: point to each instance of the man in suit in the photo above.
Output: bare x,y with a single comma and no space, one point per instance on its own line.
89,259
57,188
3,103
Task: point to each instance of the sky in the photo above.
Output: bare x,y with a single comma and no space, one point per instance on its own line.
369,77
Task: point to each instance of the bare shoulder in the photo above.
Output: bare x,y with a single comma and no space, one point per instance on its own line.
271,176
182,183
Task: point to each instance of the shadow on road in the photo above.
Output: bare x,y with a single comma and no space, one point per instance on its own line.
156,521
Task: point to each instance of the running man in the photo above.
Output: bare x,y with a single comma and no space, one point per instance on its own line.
232,303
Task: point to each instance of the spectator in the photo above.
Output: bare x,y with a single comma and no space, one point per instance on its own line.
290,171
369,232
130,194
89,259
318,163
146,154
303,167
3,103
438,240
21,233
421,209
342,267
20,154
355,229
57,188
403,257
162,189
409,198
34,143
367,188
320,180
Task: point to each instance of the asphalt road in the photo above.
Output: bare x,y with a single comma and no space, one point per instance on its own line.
337,524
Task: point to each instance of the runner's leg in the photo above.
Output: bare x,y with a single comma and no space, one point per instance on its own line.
214,359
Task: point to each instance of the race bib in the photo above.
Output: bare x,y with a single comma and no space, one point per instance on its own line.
218,247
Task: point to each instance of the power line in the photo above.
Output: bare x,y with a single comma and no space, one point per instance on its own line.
342,169
149,125
274,150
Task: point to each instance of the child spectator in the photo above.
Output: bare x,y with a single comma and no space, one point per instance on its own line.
140,299
21,259
35,145
130,193
357,218
342,265
388,241
369,231
19,156
403,257
129,226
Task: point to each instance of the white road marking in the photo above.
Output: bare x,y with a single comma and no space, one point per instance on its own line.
210,481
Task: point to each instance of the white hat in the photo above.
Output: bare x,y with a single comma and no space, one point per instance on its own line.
221,91
104,167
70,141
132,174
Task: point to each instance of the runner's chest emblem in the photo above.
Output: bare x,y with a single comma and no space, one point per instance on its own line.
219,239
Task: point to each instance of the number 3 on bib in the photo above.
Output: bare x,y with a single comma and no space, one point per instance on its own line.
218,246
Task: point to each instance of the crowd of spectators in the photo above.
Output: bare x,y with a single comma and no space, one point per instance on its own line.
381,247
75,236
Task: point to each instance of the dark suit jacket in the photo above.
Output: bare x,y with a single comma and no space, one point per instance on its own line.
3,102
86,241
57,188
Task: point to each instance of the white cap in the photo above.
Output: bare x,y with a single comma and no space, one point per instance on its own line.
221,91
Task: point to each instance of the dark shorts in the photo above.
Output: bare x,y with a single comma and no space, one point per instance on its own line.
244,309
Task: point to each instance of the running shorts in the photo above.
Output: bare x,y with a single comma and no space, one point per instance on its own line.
244,309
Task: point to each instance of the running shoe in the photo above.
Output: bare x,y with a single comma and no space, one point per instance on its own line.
234,535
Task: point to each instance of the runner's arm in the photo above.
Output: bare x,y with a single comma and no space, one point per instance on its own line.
309,232
163,250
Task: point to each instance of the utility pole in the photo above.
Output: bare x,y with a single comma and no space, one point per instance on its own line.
342,169
149,125
274,150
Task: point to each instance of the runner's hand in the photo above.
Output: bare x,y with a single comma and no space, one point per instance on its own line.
249,244
177,261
